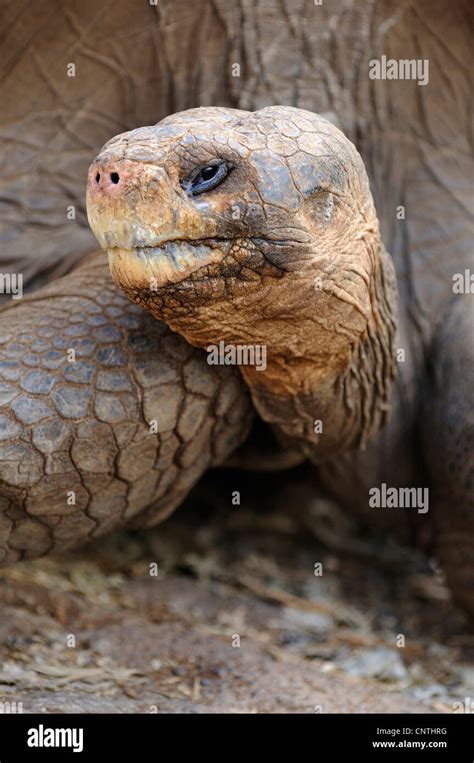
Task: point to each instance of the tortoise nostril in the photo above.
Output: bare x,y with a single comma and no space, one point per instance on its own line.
115,177
97,177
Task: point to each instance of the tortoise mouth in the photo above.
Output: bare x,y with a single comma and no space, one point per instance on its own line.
169,262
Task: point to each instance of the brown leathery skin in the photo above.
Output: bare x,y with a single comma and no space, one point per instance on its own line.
295,260
83,427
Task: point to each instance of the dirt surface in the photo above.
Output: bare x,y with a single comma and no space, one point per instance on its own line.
99,631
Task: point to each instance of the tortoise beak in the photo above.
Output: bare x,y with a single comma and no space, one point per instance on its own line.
170,263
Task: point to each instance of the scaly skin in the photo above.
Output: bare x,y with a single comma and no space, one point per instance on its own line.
84,426
285,252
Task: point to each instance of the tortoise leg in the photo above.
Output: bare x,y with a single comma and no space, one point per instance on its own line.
448,434
107,418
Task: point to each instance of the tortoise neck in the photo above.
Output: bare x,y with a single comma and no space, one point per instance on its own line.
335,397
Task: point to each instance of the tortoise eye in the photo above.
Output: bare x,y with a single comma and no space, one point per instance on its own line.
207,178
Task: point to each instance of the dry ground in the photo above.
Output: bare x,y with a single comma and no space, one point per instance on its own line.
167,643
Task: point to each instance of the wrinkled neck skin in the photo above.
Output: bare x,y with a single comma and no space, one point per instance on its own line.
332,399
329,334
335,395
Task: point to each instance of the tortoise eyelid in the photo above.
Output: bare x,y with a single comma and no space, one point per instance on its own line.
193,186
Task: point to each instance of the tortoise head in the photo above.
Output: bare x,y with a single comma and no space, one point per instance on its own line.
255,228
